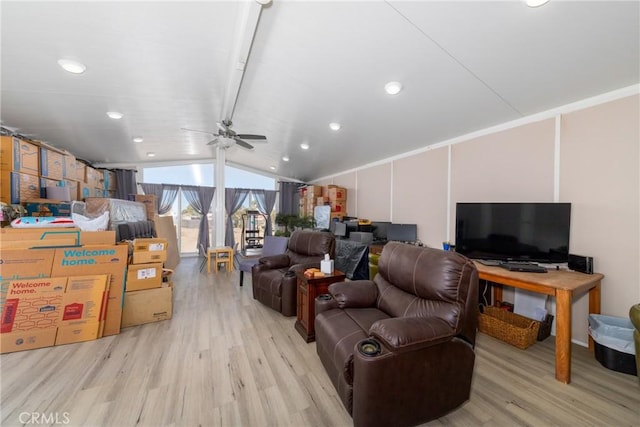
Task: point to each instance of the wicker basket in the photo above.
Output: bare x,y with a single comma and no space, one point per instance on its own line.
511,328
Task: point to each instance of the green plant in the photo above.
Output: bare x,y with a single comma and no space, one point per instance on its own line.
291,222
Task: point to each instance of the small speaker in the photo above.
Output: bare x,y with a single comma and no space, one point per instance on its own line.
583,264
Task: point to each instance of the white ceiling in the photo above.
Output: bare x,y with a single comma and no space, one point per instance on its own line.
465,66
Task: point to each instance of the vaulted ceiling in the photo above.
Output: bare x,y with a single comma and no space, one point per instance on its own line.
464,66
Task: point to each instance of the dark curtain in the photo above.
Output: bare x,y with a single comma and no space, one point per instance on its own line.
165,195
233,200
125,183
266,200
289,198
199,199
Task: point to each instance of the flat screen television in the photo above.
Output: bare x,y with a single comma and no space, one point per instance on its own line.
537,232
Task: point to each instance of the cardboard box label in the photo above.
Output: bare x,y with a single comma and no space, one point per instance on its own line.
146,273
156,247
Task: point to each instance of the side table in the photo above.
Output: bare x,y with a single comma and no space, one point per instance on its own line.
308,290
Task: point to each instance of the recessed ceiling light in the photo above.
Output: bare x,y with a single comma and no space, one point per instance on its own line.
272,167
151,154
536,3
285,158
304,146
334,126
393,88
115,115
138,139
73,67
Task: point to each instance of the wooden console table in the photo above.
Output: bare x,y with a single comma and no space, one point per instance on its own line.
561,284
308,290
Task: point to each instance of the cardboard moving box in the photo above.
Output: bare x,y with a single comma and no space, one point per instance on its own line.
19,156
147,251
151,305
144,276
32,304
83,309
91,260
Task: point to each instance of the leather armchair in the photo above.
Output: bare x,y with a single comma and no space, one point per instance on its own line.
274,279
400,349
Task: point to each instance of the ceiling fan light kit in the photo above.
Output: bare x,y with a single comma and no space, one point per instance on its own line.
227,137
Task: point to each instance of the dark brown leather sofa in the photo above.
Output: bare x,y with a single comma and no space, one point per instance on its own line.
274,279
417,320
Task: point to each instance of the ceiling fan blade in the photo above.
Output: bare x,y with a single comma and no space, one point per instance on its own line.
213,141
198,130
255,138
244,144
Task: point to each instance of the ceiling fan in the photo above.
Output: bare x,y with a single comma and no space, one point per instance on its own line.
226,137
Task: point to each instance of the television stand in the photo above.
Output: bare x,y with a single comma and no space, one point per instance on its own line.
561,284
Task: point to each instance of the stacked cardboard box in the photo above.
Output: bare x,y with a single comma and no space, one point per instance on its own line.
19,170
149,201
309,199
59,286
338,200
147,298
28,168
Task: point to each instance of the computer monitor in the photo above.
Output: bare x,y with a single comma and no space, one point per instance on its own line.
402,232
379,229
339,229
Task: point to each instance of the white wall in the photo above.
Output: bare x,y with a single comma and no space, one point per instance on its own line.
586,153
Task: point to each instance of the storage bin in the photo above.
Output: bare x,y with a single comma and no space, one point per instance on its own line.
614,346
511,328
545,328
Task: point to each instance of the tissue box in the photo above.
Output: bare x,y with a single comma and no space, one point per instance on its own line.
326,267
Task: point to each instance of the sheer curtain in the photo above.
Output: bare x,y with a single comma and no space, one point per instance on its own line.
165,195
200,200
266,200
234,198
289,198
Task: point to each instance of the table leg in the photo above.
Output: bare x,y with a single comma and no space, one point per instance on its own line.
208,262
497,293
594,307
563,335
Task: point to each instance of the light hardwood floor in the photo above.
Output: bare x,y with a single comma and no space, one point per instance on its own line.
226,360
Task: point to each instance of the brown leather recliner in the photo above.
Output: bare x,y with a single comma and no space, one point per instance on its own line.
400,349
274,279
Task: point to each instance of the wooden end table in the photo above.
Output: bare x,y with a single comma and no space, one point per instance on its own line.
308,290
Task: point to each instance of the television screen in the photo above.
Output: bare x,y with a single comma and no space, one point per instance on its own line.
402,232
536,232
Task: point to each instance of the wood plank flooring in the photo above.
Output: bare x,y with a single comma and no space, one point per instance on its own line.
227,360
